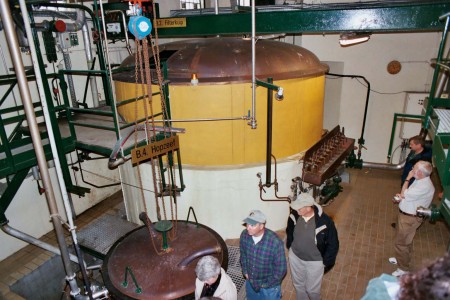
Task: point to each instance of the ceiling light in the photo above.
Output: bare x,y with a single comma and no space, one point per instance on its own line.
352,38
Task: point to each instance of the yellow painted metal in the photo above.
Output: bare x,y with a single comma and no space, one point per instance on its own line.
297,120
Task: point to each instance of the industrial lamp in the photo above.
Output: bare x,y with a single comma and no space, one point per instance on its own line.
194,79
353,38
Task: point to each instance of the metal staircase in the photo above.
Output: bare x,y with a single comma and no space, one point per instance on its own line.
437,122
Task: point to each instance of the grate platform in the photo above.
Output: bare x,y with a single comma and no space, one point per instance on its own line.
234,269
98,237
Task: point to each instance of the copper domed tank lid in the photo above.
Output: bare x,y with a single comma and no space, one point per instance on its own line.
160,276
226,60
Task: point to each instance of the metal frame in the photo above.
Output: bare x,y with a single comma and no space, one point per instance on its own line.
365,18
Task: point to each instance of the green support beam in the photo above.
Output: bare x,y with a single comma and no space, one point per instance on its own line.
392,18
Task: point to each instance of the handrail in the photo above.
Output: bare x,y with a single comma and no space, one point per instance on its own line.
81,72
131,100
91,111
394,126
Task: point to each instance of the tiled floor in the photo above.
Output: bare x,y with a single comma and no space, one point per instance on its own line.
363,213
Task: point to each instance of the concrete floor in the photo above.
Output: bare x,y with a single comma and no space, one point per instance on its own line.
363,214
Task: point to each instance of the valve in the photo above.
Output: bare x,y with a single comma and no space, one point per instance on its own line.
433,212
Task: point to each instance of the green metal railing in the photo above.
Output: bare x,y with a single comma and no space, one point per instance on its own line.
394,127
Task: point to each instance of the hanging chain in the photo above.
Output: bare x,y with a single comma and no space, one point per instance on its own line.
142,62
138,66
167,125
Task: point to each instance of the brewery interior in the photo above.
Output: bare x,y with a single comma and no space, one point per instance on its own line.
137,136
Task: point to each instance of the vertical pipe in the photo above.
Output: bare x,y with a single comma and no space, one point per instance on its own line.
68,66
269,135
216,6
37,143
90,61
253,118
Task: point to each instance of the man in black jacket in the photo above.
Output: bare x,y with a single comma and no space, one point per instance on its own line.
313,245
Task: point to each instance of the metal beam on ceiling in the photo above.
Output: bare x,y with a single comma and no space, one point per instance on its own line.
393,18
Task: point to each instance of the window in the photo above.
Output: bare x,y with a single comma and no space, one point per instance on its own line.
192,4
244,2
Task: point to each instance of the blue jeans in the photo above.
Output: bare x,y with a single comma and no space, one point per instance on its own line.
272,293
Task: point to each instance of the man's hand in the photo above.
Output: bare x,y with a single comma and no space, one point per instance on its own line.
397,198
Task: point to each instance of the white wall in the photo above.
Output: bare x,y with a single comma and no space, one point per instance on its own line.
222,198
370,59
29,212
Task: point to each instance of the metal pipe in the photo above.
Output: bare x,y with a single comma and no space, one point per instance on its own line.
34,241
275,182
253,122
113,162
90,61
382,166
187,260
104,293
361,139
68,66
16,58
269,135
43,167
203,119
216,7
423,212
146,220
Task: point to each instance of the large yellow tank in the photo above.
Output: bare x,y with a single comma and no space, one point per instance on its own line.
223,68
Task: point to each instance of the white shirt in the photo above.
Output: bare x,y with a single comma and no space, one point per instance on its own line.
420,193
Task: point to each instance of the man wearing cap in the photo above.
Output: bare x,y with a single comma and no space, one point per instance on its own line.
262,259
419,193
313,245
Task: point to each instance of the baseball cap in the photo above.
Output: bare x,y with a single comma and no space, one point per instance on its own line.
303,200
255,217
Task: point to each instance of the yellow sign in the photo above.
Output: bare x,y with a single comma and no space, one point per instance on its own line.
154,149
171,22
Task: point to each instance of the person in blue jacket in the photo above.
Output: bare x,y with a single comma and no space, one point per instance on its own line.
419,151
313,245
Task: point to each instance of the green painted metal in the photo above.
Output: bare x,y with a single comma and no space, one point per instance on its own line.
432,102
267,85
394,126
52,113
123,102
393,18
106,83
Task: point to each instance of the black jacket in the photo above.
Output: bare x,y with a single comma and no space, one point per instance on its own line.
326,237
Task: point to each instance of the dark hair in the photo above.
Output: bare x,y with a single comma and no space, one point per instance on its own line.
417,139
432,282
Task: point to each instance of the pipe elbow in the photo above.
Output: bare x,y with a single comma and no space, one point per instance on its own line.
188,259
114,163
